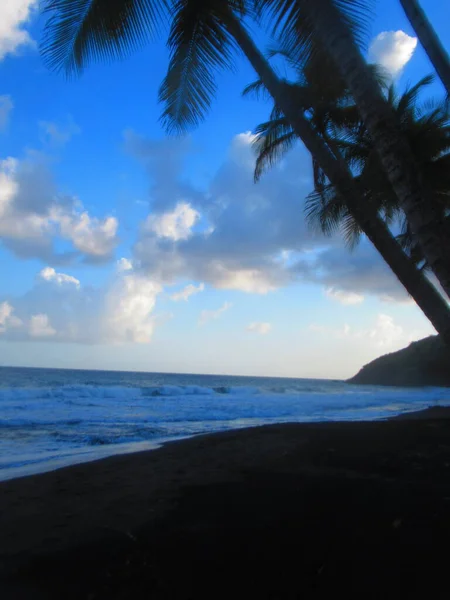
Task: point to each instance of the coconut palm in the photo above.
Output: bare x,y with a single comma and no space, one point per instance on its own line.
300,23
203,37
427,128
337,120
429,39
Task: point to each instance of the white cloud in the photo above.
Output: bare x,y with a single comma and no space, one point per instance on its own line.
252,281
129,306
124,264
49,274
346,298
187,292
7,319
242,226
394,299
33,214
384,333
40,326
261,328
5,312
59,134
210,315
60,309
247,237
392,50
94,237
176,224
14,15
6,106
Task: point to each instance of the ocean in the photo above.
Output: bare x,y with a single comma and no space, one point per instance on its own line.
51,418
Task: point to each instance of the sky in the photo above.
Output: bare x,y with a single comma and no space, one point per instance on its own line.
123,248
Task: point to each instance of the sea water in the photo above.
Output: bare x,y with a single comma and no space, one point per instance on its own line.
53,417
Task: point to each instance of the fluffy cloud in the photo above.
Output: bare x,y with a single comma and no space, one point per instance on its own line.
236,235
252,281
40,327
14,15
49,274
6,106
7,319
124,264
129,305
392,50
96,238
211,315
346,298
240,228
176,224
59,308
187,292
33,214
384,333
261,328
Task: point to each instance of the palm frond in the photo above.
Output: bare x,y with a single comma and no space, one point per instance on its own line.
408,99
324,210
274,139
431,104
381,75
256,90
200,45
351,231
80,31
289,21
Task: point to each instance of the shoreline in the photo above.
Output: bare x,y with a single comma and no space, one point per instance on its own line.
251,484
89,455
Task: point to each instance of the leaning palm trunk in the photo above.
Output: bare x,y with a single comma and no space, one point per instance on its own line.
394,151
429,40
335,168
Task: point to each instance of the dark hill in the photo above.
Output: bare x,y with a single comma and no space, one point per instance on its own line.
426,362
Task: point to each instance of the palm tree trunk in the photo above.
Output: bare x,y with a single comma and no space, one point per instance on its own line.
429,40
393,149
425,295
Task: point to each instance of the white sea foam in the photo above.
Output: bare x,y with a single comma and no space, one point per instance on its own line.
48,425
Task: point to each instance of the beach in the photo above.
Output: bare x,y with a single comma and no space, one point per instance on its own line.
279,511
53,418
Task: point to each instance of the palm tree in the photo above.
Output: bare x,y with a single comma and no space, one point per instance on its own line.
202,38
429,40
336,118
427,129
301,22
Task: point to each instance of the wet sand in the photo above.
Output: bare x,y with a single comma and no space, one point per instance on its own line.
283,511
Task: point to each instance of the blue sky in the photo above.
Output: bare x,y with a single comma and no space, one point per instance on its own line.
124,249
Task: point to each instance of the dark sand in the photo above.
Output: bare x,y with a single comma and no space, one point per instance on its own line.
360,510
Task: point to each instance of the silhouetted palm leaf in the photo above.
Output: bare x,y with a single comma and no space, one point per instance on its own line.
256,90
271,146
200,45
408,101
338,121
79,31
288,20
429,136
